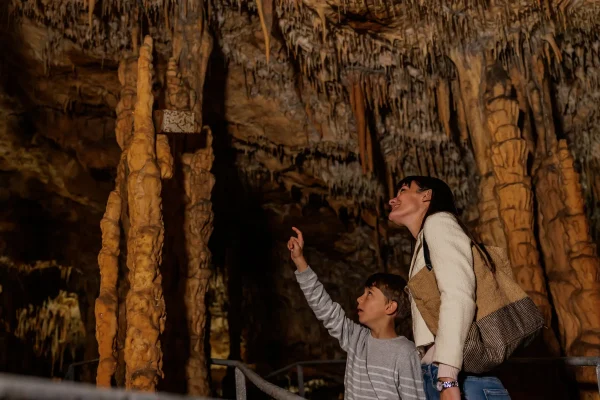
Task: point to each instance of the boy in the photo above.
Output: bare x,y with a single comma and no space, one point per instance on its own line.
380,365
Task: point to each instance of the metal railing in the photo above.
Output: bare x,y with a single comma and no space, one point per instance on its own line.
22,387
300,370
242,372
569,361
33,388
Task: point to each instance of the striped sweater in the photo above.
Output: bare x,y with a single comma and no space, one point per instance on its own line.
378,369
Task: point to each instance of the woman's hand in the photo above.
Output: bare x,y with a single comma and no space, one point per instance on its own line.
295,245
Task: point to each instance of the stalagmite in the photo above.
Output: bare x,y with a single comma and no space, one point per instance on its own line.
106,304
124,132
513,189
198,226
164,157
108,259
469,68
145,303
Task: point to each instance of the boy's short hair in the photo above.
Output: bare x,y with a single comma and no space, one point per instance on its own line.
392,286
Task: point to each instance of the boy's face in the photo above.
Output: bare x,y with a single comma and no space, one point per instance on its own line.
372,306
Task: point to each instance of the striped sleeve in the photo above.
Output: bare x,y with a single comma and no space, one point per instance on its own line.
330,313
410,378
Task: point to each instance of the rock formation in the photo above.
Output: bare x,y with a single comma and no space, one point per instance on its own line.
198,225
572,263
116,211
106,304
145,303
513,190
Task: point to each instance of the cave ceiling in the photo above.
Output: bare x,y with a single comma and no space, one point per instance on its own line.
283,87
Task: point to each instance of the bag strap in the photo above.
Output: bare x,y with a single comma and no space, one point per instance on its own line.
484,254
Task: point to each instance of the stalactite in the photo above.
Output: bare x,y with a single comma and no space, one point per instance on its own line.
461,117
198,226
265,13
514,193
358,106
469,68
443,105
145,303
369,150
91,5
55,326
519,83
192,46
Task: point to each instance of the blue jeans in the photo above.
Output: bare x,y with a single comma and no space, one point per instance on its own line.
471,387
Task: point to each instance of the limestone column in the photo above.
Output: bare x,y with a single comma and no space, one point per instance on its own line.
145,304
106,308
513,191
470,70
570,256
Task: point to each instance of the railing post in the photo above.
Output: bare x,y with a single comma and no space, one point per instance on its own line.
598,376
240,385
300,374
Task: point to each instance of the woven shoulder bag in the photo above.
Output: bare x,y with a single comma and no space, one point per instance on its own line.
505,317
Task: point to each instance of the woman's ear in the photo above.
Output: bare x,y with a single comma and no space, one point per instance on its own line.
427,195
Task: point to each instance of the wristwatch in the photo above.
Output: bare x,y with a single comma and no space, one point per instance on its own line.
441,386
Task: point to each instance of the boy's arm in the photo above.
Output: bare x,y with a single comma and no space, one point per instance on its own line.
331,313
409,376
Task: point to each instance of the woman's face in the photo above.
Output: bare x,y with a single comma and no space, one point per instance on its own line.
407,203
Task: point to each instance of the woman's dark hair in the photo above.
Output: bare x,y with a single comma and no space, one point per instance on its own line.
442,199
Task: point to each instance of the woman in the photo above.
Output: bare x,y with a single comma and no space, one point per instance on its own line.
426,207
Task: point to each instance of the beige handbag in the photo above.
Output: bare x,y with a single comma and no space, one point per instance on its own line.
505,318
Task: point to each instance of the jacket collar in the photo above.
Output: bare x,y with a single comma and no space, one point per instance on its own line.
418,246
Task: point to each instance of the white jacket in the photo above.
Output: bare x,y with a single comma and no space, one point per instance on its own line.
452,260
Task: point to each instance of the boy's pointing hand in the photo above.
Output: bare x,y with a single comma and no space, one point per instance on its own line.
295,245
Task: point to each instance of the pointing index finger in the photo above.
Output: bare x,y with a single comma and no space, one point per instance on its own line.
298,232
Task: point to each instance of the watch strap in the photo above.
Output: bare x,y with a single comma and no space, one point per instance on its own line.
443,385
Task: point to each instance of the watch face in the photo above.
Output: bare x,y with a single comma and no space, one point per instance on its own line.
445,385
